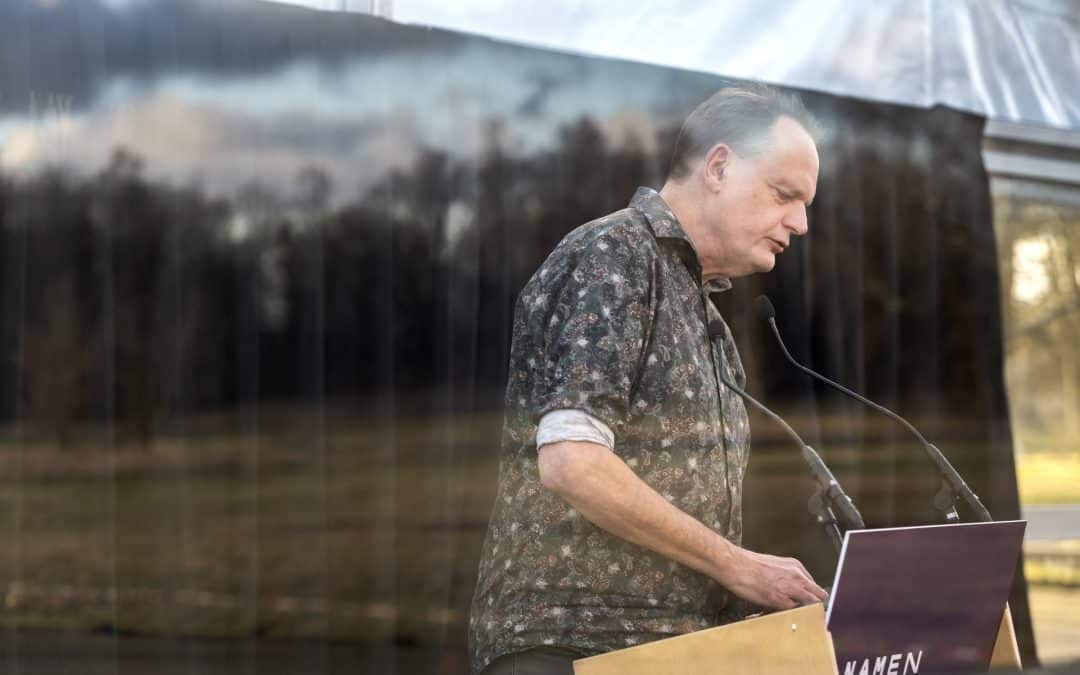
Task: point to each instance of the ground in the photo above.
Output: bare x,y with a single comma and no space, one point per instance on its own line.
321,528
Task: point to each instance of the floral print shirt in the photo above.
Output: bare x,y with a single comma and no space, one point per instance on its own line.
613,323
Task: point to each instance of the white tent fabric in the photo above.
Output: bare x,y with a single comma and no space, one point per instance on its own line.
1012,60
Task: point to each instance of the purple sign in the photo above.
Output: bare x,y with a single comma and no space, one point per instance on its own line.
922,600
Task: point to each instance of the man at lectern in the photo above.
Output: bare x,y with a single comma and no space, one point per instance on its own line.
618,514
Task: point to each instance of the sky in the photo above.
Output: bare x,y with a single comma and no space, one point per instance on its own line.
221,93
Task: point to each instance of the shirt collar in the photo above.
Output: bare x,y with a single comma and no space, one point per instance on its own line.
718,285
666,227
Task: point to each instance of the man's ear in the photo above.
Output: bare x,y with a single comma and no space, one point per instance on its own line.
716,163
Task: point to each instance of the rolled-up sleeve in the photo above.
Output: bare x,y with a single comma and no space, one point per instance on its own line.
573,425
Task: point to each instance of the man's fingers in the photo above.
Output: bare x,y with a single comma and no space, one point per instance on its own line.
800,594
818,592
803,590
796,599
801,570
813,592
811,596
783,601
804,570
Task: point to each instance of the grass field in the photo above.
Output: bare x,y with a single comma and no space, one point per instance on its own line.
322,530
1054,591
312,525
1055,615
1048,477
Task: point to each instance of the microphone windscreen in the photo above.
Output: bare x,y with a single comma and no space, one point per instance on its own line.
716,329
764,308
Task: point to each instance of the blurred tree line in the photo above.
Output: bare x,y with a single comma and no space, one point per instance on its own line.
131,300
1040,263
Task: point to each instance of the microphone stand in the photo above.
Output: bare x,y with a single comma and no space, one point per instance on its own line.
829,499
953,487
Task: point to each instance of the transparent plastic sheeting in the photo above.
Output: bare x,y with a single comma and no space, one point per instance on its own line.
1014,60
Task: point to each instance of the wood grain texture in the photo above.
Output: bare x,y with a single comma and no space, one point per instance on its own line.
1006,652
794,641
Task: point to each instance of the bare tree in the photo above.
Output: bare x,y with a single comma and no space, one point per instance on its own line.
57,361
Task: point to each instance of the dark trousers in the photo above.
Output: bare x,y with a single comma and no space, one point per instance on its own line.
539,661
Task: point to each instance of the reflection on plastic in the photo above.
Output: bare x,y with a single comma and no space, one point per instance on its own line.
1013,60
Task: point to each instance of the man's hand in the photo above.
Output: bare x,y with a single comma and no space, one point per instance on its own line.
602,488
770,581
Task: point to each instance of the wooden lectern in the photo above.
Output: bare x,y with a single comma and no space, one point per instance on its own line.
794,641
1006,651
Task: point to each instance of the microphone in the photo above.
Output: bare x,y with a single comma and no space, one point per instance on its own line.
834,505
953,485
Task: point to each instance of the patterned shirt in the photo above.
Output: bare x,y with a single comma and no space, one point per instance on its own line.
614,323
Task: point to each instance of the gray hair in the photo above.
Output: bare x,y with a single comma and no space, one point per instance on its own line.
741,117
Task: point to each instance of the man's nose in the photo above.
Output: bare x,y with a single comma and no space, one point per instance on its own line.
795,220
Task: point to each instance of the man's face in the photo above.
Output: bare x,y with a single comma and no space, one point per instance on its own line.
755,205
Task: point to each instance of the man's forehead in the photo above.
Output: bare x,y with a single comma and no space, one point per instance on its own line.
792,159
790,140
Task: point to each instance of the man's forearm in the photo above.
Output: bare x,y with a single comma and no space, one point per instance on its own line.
610,495
603,489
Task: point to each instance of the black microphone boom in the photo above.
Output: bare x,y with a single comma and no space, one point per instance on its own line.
831,505
953,485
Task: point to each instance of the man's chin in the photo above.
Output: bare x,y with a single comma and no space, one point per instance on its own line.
766,263
758,265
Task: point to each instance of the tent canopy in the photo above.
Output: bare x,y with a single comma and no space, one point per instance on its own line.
1011,60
